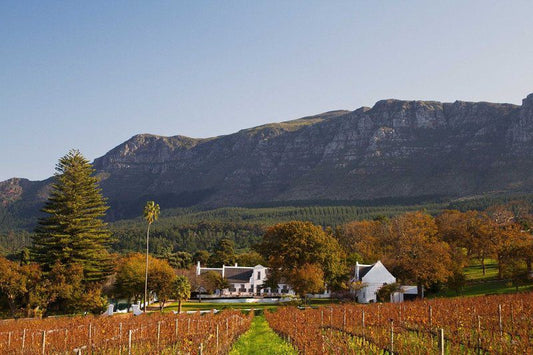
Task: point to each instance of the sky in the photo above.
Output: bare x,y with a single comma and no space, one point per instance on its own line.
91,74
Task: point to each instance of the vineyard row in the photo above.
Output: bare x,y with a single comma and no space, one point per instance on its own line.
152,333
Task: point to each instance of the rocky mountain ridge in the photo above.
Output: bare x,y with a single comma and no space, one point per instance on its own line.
394,149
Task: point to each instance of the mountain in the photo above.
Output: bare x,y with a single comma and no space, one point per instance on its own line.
396,149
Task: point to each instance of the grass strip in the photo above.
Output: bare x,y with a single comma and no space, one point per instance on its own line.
260,339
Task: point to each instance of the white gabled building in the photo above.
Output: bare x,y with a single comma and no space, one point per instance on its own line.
245,280
406,293
372,277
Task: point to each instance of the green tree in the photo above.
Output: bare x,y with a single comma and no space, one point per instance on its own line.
129,280
213,280
179,259
161,280
516,272
201,256
385,291
457,282
151,213
252,258
224,253
181,290
73,232
273,280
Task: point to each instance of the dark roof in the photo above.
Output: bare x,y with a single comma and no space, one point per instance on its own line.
237,274
363,270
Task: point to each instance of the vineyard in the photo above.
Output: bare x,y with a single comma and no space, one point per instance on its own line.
153,333
490,324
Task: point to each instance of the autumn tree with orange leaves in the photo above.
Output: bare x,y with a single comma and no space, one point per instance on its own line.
294,246
419,255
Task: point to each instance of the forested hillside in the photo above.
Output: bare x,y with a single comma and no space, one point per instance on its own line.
192,229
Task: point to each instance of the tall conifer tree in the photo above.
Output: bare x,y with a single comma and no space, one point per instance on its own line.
73,232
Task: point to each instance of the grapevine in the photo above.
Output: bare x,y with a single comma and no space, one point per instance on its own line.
149,333
490,324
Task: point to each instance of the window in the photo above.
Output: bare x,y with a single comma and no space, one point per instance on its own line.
259,275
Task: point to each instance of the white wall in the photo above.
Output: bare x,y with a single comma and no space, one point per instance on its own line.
374,280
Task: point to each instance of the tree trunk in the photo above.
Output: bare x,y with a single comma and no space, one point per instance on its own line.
500,264
483,265
13,309
420,290
146,269
179,306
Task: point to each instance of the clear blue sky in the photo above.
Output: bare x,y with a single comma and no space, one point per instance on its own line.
91,74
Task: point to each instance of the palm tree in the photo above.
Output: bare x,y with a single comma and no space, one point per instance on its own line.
151,213
182,290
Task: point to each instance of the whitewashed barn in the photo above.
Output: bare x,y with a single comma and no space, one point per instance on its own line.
372,277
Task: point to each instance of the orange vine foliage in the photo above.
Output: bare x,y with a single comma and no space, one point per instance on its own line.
150,334
490,324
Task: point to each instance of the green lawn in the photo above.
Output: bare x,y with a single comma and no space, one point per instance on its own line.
260,339
485,288
206,305
475,271
479,284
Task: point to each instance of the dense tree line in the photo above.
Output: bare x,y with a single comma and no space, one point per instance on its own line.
12,243
166,236
428,250
189,229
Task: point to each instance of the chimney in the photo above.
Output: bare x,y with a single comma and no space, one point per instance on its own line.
357,270
198,268
235,264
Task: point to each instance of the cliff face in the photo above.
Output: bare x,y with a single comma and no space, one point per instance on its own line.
394,149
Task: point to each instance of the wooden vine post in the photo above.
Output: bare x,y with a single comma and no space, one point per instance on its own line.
23,339
392,336
129,342
441,341
363,321
43,347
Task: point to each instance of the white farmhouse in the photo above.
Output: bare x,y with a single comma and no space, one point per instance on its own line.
372,277
245,281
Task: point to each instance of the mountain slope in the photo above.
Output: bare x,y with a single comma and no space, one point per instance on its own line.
394,149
